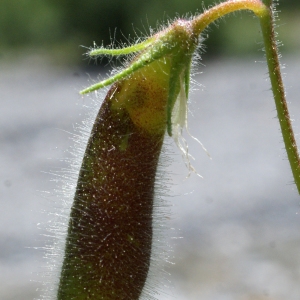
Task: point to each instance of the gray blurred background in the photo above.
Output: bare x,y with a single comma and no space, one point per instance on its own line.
237,230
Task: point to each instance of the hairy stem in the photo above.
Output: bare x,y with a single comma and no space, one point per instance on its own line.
267,25
218,11
263,10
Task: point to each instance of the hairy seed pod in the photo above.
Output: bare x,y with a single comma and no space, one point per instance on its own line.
109,239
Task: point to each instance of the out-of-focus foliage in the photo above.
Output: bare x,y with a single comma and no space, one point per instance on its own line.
60,26
23,22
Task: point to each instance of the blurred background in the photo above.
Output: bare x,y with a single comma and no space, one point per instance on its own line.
237,230
58,27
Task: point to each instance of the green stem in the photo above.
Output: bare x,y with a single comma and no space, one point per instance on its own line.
263,10
218,11
267,25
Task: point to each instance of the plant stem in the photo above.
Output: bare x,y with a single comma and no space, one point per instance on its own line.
267,25
218,11
263,10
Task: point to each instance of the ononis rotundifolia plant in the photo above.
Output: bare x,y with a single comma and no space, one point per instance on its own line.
109,240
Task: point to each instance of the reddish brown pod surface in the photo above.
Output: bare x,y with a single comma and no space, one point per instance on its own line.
109,240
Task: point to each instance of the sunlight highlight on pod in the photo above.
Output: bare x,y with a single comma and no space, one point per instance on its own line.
109,241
